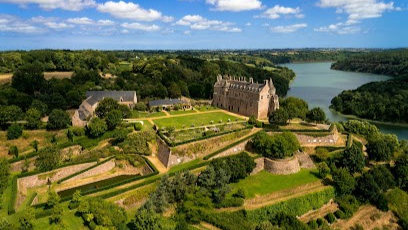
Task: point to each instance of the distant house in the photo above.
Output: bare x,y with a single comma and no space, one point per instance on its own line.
169,103
87,108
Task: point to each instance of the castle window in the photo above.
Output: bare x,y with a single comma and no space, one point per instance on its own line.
261,97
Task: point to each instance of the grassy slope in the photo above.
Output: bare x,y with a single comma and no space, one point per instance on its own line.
196,119
264,182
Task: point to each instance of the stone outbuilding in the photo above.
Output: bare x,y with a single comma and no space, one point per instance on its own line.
87,108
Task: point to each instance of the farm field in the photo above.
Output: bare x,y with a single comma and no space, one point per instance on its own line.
265,182
194,119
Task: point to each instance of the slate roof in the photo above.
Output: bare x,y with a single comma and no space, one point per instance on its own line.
97,96
165,102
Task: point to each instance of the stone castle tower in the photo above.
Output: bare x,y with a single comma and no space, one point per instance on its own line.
248,98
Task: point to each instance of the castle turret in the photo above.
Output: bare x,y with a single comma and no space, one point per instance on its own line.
272,89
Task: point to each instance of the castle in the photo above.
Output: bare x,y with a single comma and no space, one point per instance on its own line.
237,95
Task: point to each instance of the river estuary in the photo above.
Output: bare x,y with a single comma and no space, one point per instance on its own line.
317,84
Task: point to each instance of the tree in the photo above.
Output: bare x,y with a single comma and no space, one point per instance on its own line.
53,199
295,107
126,112
323,169
252,120
58,119
140,106
13,150
34,144
96,127
119,136
367,189
28,78
48,159
383,177
56,214
277,146
146,218
381,148
26,221
353,159
401,171
316,115
5,224
279,117
113,118
344,181
33,118
174,90
9,113
14,131
39,106
105,106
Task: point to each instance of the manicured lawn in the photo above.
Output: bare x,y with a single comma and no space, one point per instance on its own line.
71,222
189,111
137,114
196,119
265,182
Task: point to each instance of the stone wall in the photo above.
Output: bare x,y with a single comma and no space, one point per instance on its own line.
305,161
260,165
163,152
105,167
233,150
282,167
330,139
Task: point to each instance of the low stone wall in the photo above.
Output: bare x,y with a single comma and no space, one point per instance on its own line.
231,151
305,161
330,139
260,165
163,152
95,171
282,167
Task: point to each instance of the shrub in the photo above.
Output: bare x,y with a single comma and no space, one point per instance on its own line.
240,194
324,170
320,221
330,218
13,150
252,120
340,214
313,224
348,204
230,202
14,131
97,127
140,106
58,119
258,124
138,126
78,131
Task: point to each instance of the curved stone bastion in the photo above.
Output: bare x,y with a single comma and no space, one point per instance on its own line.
282,166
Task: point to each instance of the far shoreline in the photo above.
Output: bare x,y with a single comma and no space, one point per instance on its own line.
404,125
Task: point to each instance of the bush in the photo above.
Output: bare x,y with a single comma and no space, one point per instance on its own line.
348,204
140,106
320,221
258,124
97,127
138,126
13,150
78,131
58,119
230,202
240,194
324,170
313,224
330,218
14,131
340,214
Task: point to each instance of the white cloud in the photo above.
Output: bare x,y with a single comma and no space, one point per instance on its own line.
340,28
276,12
359,9
58,26
197,22
81,21
288,29
72,5
131,11
88,21
248,24
13,24
41,19
235,5
139,26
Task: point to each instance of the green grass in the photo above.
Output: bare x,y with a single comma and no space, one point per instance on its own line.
71,222
196,119
147,125
269,68
189,111
138,114
181,167
265,182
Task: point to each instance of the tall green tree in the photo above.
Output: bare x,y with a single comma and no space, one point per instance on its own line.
33,118
279,117
353,159
316,115
48,159
105,106
58,119
295,107
96,127
113,118
344,181
28,78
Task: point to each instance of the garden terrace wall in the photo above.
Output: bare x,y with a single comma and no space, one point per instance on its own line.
282,166
92,171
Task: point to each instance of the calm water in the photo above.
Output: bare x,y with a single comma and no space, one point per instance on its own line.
317,84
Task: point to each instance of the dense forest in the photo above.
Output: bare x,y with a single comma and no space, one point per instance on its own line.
388,62
381,101
151,75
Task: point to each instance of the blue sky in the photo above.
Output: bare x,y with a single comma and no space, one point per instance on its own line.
202,24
